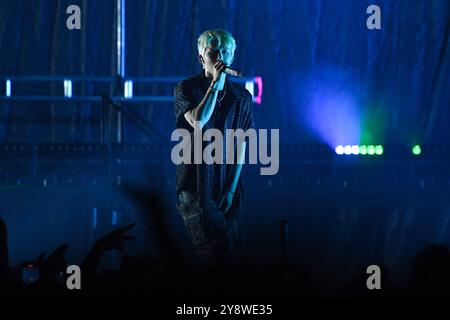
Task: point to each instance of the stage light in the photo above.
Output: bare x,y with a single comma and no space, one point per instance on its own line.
416,150
114,218
348,149
259,83
339,149
68,88
94,213
128,89
8,88
363,150
379,150
359,150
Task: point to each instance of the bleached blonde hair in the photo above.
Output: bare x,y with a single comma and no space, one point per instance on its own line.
224,40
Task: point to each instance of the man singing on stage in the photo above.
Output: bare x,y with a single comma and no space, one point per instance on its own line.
210,195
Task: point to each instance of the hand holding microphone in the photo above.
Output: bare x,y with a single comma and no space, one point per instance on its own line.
220,72
219,75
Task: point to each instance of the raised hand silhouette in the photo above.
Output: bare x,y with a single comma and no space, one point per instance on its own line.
54,263
112,241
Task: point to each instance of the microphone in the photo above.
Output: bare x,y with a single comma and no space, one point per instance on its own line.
233,72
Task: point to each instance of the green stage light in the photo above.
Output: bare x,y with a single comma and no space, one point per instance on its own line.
379,150
371,150
363,150
416,150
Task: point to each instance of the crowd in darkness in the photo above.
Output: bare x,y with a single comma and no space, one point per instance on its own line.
171,276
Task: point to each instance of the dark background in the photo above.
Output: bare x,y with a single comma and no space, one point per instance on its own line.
327,80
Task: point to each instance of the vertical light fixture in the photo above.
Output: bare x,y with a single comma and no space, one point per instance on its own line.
121,38
114,217
68,88
8,88
128,89
94,218
259,83
120,57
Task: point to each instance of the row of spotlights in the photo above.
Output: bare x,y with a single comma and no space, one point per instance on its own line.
359,149
369,150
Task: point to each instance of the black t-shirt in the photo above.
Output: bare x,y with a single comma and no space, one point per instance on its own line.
207,181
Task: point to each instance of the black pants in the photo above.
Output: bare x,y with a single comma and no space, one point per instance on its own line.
214,237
